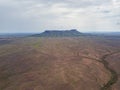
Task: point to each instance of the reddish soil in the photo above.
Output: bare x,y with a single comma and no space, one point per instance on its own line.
59,64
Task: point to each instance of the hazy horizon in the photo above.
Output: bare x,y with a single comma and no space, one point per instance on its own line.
35,16
99,32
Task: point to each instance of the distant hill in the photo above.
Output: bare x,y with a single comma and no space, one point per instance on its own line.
60,33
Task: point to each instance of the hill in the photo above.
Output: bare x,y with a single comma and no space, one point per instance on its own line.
60,33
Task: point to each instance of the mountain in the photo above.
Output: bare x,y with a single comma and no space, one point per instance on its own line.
60,33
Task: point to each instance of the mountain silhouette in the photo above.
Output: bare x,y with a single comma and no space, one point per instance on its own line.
59,33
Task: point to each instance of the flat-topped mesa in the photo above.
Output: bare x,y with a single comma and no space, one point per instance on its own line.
59,33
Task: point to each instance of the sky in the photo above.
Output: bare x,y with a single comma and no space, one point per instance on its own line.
40,15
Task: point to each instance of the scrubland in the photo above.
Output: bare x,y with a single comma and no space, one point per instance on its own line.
61,63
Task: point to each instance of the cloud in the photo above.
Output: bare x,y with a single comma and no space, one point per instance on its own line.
38,15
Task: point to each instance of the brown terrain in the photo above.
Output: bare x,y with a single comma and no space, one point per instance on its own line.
61,63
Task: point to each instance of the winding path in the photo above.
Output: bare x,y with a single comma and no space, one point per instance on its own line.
114,76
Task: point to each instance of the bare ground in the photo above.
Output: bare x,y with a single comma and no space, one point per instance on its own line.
60,64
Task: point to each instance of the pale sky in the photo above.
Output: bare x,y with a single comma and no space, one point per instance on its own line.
40,15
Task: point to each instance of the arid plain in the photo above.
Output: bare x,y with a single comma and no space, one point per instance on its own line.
60,63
